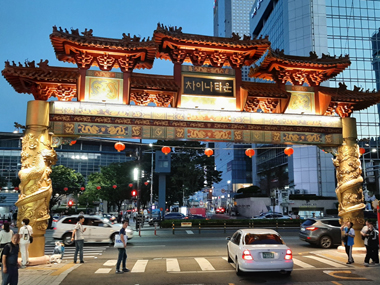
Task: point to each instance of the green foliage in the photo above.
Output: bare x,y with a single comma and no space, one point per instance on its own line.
119,174
191,170
61,178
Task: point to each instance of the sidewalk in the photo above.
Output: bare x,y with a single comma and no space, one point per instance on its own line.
48,274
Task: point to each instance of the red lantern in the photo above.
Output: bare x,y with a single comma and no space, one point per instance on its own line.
250,152
73,142
288,151
65,189
209,152
82,188
130,185
362,151
146,183
119,146
114,186
165,149
98,187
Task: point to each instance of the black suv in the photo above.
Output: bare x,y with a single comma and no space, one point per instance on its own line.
322,232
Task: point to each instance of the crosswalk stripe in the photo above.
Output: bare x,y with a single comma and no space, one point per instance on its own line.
103,271
172,264
110,263
189,232
204,264
331,263
302,264
225,258
139,266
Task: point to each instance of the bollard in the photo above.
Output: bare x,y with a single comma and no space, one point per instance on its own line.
199,228
276,225
139,231
155,229
224,227
173,227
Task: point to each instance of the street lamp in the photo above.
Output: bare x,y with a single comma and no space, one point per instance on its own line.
151,184
364,171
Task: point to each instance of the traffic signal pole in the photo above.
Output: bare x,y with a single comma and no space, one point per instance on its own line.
138,186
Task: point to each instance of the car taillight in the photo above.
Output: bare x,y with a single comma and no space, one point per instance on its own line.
288,255
55,221
54,228
247,255
312,228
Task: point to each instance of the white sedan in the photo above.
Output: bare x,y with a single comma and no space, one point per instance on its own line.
258,250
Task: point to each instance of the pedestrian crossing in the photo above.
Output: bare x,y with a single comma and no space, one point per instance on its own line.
88,251
208,264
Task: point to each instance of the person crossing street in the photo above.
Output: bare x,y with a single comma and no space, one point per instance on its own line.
79,239
122,257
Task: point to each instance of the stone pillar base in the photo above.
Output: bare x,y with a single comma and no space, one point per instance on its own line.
355,250
45,259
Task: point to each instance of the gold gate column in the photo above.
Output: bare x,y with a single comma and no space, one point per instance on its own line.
37,156
348,174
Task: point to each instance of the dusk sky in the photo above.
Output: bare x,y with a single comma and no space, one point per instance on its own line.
25,27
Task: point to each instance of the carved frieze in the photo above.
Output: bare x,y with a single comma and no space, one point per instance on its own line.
143,99
299,76
60,91
105,62
267,105
344,110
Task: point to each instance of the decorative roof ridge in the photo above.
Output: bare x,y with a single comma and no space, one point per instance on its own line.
155,76
325,58
235,37
42,65
343,89
88,35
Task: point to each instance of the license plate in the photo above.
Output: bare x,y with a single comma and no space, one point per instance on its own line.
302,229
268,255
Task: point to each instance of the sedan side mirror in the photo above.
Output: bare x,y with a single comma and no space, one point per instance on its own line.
228,238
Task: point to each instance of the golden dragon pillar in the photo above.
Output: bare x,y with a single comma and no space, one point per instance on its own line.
348,174
37,157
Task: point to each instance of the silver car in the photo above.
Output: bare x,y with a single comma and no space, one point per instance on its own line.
97,229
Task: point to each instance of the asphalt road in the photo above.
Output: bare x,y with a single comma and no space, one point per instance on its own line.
188,257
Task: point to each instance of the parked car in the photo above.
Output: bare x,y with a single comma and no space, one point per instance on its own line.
174,216
97,229
194,217
263,214
220,210
257,250
322,232
273,216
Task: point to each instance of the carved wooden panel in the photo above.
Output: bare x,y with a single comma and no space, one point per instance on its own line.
344,110
127,63
143,99
105,62
299,76
84,60
45,91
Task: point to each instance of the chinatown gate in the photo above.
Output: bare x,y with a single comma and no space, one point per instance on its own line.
202,101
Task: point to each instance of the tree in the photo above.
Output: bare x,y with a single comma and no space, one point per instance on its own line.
191,170
64,177
118,174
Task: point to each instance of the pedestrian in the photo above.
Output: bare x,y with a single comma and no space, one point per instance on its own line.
372,246
9,267
5,236
348,239
25,232
14,219
122,251
363,233
79,239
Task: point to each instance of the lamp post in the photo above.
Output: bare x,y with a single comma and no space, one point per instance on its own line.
364,170
151,184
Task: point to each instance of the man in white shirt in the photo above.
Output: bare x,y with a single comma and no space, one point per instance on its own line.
79,239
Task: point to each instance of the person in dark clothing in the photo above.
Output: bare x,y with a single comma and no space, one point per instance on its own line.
9,268
122,256
373,246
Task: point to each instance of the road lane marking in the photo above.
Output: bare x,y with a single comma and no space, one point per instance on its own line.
302,264
103,271
139,266
334,274
189,232
326,261
336,283
172,264
204,264
225,258
110,263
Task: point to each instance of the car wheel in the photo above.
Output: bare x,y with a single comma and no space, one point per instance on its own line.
66,239
229,258
325,242
113,238
237,268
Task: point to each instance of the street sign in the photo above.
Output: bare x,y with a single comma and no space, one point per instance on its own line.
201,203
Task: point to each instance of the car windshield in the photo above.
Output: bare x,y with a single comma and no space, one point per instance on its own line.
262,239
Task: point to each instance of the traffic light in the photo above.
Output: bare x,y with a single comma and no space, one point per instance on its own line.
70,203
134,193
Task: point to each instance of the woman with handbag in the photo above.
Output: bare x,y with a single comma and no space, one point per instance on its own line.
26,238
348,240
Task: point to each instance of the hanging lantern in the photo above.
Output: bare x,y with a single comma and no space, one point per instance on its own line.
82,188
119,146
209,152
165,150
114,186
98,187
73,142
65,189
146,183
250,152
130,185
288,151
362,150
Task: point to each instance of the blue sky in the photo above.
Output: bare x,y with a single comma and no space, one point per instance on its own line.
25,27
